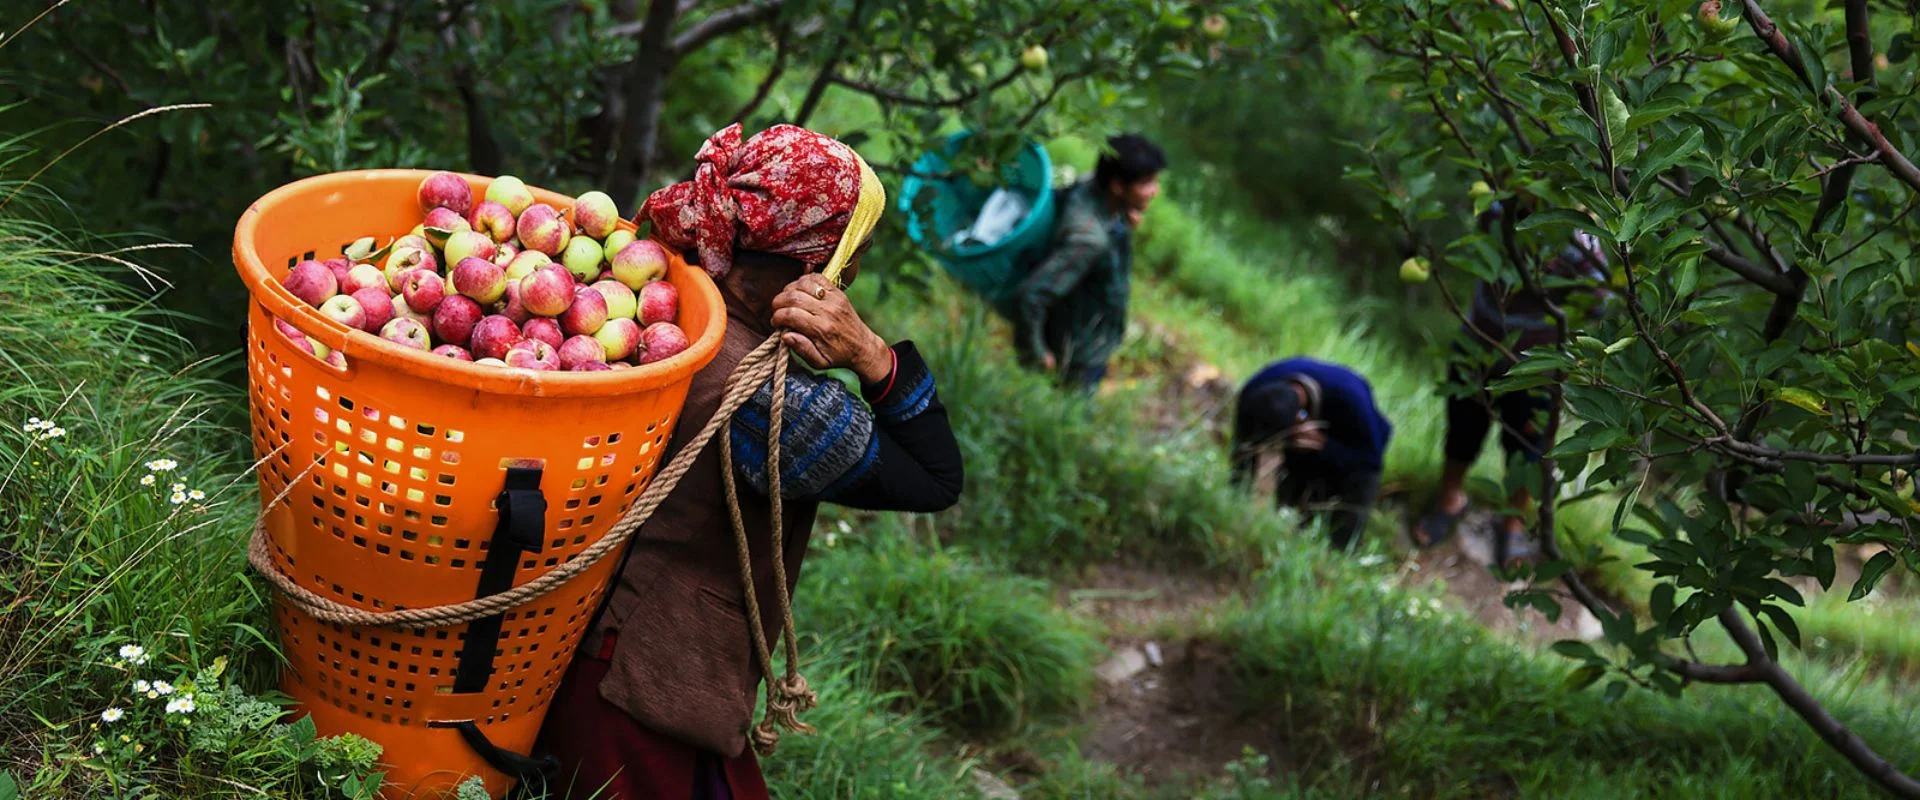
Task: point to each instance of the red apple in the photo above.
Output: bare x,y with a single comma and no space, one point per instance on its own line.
544,330
595,214
542,228
661,341
493,335
620,365
621,302
591,366
378,306
469,244
406,333
403,311
579,350
445,190
509,191
334,358
345,310
586,315
453,351
423,289
446,219
480,279
363,276
453,321
505,253
548,291
659,302
406,259
533,354
340,268
620,337
637,263
492,219
312,282
510,305
525,262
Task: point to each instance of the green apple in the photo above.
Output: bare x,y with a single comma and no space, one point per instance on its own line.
1034,58
1415,270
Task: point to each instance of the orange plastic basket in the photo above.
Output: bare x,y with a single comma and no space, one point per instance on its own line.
390,469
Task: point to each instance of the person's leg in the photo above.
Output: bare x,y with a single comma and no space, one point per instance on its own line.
1523,441
1352,495
1468,420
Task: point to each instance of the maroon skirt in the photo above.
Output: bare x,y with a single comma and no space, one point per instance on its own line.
601,749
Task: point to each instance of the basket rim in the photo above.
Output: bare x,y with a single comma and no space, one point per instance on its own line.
263,289
919,229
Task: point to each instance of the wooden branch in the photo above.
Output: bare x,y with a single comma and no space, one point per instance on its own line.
723,22
1059,83
774,71
1836,734
955,101
1849,459
1856,123
818,88
1716,673
389,41
639,26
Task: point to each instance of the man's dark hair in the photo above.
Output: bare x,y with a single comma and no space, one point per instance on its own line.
1130,158
1269,410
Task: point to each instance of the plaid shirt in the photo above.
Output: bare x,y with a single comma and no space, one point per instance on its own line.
1074,302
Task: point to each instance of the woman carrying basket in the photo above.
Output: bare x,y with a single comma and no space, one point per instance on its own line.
659,702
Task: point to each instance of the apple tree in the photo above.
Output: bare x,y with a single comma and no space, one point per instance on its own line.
1751,407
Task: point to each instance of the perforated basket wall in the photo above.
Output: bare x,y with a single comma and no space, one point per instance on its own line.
378,483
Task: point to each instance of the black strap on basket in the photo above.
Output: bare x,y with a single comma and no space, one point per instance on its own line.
522,528
531,775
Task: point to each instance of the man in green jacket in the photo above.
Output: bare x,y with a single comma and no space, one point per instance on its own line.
1070,312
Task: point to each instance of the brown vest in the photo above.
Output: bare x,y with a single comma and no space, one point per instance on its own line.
685,664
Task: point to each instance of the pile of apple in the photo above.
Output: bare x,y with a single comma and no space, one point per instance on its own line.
505,282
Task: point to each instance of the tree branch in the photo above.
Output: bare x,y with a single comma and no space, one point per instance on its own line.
639,26
774,71
894,96
1059,83
721,23
389,41
1856,123
1836,734
818,88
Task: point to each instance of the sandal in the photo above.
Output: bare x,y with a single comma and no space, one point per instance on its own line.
1512,548
1436,526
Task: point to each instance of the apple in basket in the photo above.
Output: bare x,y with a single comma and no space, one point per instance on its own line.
659,302
543,329
492,219
493,335
510,305
362,276
406,258
509,191
453,321
377,305
542,228
587,313
583,257
312,282
525,262
340,267
621,302
453,351
577,350
480,279
595,214
423,290
469,244
402,311
616,241
620,337
344,310
639,262
533,354
446,219
548,291
445,190
661,341
406,333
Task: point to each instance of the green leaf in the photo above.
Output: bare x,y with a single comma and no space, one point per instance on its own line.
1616,114
1686,276
10,788
1576,650
1661,601
1559,216
1870,574
1823,567
1576,680
1615,691
1667,152
1803,399
1784,621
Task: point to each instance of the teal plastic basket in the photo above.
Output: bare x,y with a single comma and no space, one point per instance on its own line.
936,208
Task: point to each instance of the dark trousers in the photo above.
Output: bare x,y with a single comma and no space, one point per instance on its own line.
1342,499
1471,411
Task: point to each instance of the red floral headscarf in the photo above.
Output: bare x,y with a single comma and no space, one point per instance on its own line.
788,191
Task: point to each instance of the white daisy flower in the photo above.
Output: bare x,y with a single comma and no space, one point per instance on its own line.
162,464
112,715
163,687
142,687
196,495
146,359
56,432
99,748
33,422
99,309
180,705
146,480
131,652
152,694
177,487
178,498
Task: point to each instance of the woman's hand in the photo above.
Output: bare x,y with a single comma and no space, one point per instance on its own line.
822,327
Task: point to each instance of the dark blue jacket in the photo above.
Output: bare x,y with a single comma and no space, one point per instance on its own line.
1357,432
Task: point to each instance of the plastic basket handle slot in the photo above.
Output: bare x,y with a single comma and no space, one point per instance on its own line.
521,529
